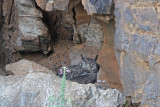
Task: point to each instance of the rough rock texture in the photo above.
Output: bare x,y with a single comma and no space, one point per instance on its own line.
81,18
61,24
21,29
8,32
37,89
0,14
61,4
33,33
138,49
45,4
97,6
91,6
50,5
23,67
91,33
86,29
1,72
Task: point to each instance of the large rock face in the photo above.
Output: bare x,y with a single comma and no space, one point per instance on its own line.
33,33
37,89
97,6
21,29
86,29
137,48
8,32
40,90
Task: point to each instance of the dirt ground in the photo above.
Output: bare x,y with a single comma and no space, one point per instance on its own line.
59,57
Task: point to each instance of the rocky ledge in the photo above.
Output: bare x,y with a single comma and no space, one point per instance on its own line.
39,89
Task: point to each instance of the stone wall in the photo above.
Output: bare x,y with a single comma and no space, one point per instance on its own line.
33,34
137,49
8,32
21,29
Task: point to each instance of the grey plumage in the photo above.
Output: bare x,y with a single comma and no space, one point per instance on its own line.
85,72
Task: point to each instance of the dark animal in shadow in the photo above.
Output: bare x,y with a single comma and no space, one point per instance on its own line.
84,73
